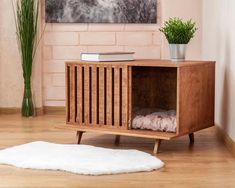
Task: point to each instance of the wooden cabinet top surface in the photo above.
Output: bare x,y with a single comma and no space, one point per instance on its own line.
149,63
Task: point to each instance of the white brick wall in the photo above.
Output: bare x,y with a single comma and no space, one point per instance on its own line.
69,27
67,41
61,38
68,52
54,93
53,66
134,38
105,49
58,80
145,52
97,38
106,27
47,52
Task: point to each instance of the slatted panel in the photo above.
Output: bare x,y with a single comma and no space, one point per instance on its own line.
98,95
116,96
94,94
101,95
72,94
86,95
124,97
109,96
79,95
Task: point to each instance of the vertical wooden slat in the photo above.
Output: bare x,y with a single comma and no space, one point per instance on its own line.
101,95
72,94
86,95
67,92
94,94
79,95
124,97
130,96
178,101
109,95
116,96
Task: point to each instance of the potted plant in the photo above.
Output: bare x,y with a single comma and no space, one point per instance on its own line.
178,33
26,18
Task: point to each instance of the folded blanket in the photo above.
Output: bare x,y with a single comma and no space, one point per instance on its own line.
160,120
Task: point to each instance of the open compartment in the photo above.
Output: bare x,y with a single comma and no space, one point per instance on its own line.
154,98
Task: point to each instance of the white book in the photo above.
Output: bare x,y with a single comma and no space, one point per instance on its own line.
111,56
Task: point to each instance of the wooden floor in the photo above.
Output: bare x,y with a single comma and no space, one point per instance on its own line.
205,164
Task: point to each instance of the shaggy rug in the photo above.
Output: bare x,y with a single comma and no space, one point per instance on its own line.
80,159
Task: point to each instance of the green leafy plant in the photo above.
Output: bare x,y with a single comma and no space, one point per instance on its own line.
26,19
178,31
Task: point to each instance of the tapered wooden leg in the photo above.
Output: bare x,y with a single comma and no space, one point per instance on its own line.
157,146
79,135
191,138
117,140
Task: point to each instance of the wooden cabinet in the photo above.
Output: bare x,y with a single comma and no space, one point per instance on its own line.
101,96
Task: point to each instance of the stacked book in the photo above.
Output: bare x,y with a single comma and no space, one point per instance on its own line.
111,56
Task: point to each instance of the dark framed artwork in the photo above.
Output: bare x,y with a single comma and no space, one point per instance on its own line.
101,11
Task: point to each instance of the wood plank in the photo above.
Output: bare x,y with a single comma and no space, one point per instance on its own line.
124,97
196,98
116,96
109,95
101,95
94,94
87,95
129,97
51,110
124,132
178,102
149,63
72,93
67,92
79,95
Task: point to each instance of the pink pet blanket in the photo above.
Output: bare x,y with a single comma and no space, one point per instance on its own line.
157,120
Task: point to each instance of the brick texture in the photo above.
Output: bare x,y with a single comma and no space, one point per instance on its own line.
134,38
67,41
145,52
58,80
97,38
61,38
68,52
47,52
54,93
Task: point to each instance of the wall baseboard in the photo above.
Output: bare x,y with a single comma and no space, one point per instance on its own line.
50,110
54,110
6,111
229,143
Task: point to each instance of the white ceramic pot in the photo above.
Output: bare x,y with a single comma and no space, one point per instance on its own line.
177,52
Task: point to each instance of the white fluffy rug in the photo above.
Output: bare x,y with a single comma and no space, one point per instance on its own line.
80,159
